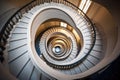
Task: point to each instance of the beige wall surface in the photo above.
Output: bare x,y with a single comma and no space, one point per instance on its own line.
106,24
6,5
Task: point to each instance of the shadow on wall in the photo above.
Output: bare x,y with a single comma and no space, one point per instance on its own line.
101,16
6,5
111,73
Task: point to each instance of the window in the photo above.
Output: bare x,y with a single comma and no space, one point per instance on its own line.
84,5
63,24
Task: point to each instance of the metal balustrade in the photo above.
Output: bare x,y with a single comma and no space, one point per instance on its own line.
20,20
15,18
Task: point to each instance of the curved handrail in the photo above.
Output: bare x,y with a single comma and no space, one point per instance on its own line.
61,66
29,6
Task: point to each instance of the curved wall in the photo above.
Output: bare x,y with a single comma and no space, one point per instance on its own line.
106,24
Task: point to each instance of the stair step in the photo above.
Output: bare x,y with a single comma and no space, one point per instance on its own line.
43,77
24,19
28,15
93,59
77,70
19,30
17,65
35,75
17,36
26,72
97,54
13,54
22,24
67,71
97,48
72,71
88,64
16,44
82,67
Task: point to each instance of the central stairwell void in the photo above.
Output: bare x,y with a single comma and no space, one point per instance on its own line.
40,48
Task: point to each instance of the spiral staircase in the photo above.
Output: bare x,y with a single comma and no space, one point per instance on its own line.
39,48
